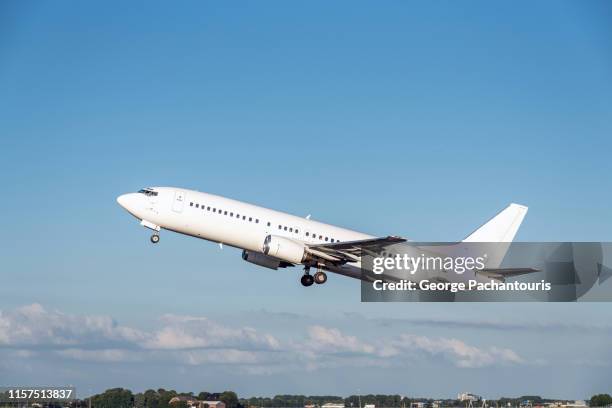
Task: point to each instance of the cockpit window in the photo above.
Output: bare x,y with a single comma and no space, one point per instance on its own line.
148,192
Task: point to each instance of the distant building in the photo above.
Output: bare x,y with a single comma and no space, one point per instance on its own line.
568,404
333,405
193,402
417,405
467,396
369,406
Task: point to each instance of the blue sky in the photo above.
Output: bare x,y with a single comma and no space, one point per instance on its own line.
411,118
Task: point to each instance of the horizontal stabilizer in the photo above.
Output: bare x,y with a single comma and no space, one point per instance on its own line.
503,273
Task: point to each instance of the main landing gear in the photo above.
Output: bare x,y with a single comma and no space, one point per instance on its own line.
319,277
307,280
155,238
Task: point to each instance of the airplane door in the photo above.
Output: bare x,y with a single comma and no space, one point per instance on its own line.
179,201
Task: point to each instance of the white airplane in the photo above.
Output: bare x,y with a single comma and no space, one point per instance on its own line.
275,239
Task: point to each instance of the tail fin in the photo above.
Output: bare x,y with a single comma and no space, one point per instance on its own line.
502,227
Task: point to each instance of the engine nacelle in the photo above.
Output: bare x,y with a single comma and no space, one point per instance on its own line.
284,249
262,260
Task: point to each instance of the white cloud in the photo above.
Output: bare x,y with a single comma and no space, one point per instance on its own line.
197,340
186,332
406,347
329,340
33,325
458,352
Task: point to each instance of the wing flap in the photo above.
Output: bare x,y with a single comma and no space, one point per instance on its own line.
351,251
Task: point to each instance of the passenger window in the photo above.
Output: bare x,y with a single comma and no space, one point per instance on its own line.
191,204
197,205
297,232
244,217
214,210
207,208
256,220
280,227
285,228
268,223
224,212
250,219
320,236
326,239
231,214
290,229
307,233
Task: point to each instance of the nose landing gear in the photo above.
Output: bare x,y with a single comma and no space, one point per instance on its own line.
155,238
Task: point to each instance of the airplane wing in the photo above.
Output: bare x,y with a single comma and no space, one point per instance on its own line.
351,251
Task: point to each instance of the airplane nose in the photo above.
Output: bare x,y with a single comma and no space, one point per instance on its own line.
122,200
132,203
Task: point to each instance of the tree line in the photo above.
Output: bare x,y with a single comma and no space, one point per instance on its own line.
160,398
289,401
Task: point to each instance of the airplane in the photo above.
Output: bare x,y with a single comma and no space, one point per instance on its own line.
275,239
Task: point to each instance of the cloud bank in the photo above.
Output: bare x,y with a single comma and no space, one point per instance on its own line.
32,331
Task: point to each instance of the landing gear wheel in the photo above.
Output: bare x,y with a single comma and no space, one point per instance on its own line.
320,278
307,280
155,238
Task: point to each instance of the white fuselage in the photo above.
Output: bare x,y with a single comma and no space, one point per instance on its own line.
275,239
227,221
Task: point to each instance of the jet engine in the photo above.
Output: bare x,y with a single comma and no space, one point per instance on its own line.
284,249
264,260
